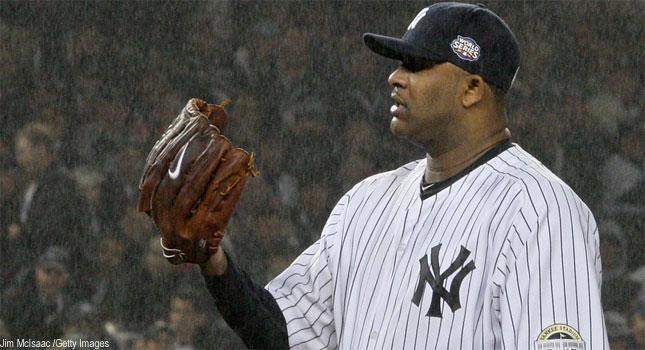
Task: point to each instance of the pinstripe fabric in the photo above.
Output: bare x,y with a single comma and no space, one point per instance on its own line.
533,242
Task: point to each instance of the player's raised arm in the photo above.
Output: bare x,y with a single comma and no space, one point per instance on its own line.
250,310
191,183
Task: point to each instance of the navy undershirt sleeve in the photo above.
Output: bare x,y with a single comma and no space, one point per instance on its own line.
250,310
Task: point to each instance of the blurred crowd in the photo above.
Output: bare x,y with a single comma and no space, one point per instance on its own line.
87,87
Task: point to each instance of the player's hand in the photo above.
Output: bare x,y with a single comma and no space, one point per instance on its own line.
192,180
216,265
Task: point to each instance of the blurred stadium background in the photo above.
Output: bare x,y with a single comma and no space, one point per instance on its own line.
93,84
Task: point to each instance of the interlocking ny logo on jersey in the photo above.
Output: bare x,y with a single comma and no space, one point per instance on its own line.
436,280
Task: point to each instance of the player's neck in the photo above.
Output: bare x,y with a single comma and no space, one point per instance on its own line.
450,163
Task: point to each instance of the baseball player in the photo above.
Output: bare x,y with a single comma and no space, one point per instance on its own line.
477,246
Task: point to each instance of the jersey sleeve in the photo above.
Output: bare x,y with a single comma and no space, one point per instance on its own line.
547,282
249,309
305,290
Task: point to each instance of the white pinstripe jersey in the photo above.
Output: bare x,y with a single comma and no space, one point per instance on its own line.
534,246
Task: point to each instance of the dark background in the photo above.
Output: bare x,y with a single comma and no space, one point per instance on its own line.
312,102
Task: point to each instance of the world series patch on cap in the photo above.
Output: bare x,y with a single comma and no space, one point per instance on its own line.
465,48
471,37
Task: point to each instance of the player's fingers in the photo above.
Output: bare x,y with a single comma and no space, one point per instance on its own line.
195,126
224,188
238,161
162,207
176,127
217,115
200,175
212,222
155,174
178,169
235,184
214,112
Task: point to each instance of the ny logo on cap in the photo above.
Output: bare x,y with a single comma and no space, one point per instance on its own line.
417,18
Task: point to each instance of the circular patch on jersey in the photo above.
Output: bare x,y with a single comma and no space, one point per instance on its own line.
559,336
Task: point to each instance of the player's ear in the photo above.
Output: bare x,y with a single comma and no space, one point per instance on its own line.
474,90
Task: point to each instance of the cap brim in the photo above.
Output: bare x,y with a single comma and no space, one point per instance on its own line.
394,48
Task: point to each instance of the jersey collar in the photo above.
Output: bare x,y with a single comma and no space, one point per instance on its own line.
430,189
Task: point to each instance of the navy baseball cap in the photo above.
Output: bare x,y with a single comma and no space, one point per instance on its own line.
471,37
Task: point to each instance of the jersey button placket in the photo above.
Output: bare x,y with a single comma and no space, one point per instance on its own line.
401,248
373,338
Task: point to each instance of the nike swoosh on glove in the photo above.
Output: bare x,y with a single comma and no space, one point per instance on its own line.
192,180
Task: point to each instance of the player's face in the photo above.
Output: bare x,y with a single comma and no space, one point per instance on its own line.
425,102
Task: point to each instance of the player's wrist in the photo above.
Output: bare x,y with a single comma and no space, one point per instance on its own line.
216,265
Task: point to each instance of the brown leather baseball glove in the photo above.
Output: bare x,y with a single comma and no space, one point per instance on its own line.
192,180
